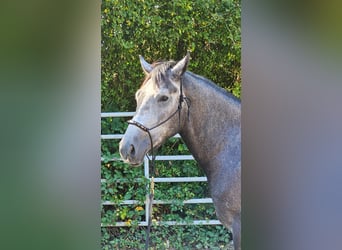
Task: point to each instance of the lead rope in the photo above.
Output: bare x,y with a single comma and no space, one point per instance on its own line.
151,190
150,195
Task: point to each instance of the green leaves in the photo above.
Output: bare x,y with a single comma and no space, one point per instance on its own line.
166,30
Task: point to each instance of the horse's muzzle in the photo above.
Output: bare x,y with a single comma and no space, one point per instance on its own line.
130,153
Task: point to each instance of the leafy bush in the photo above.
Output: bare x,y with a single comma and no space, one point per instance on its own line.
210,29
168,237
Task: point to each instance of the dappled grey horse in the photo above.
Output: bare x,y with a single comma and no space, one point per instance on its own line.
172,100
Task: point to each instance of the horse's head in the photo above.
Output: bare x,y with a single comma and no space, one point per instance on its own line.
156,118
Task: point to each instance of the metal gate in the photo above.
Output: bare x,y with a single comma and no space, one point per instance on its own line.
156,180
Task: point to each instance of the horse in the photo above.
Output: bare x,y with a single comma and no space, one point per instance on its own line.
173,100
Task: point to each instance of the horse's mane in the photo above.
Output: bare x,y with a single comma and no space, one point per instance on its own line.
158,70
212,85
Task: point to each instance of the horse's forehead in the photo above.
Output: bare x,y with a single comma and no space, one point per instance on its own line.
149,88
157,81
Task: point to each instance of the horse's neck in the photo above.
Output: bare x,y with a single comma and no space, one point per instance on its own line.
213,118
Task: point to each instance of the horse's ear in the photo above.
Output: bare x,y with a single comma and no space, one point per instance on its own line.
179,69
147,68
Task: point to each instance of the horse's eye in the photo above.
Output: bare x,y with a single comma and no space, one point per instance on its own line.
163,98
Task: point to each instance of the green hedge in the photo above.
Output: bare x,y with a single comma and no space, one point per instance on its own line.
166,30
162,30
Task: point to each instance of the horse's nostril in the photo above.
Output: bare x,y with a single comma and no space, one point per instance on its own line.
131,150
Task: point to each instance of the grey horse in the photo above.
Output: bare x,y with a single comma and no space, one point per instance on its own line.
173,100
